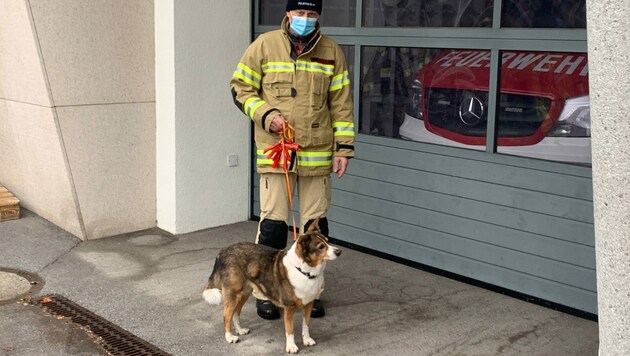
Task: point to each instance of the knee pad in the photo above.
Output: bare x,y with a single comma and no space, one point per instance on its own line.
323,225
273,233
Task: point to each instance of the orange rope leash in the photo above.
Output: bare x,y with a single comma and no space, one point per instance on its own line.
281,153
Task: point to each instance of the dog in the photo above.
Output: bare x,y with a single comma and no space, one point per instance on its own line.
290,278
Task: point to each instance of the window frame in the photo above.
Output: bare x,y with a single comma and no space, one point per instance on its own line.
495,39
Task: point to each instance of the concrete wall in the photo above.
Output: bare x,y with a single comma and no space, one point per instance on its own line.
609,67
77,112
32,160
198,45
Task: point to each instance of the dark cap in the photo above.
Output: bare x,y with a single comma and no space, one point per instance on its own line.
315,5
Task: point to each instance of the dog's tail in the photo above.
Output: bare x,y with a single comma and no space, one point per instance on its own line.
212,296
212,293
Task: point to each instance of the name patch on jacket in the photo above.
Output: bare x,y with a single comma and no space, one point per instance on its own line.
323,61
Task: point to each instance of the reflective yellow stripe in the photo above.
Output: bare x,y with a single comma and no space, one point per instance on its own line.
343,128
261,158
247,75
251,105
314,159
305,159
339,81
246,80
276,67
264,161
315,67
343,124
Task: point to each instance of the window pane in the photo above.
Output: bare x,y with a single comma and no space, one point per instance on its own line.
424,94
427,13
544,107
544,13
348,51
337,13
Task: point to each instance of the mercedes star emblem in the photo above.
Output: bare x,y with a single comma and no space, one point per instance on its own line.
471,110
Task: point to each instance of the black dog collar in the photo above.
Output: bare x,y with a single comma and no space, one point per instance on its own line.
310,276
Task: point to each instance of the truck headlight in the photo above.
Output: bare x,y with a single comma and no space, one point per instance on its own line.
575,119
414,106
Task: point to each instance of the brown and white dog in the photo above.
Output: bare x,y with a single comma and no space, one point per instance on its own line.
290,278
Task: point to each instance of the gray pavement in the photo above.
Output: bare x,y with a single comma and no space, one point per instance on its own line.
12,285
150,284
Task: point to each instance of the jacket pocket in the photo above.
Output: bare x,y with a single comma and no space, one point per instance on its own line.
321,133
318,96
278,85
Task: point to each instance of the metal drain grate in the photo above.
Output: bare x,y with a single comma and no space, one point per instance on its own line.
114,339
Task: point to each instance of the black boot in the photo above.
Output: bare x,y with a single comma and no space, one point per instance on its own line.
267,310
322,225
318,309
273,233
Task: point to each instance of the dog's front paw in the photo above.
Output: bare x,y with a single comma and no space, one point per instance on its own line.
242,331
231,338
308,341
292,349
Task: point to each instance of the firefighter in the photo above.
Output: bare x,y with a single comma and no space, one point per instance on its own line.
296,76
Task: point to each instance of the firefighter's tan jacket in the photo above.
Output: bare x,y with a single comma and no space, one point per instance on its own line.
312,93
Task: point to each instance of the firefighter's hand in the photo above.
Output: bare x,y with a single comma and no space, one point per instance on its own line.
276,123
340,164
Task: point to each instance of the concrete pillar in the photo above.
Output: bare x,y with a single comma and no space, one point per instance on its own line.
77,112
198,45
609,68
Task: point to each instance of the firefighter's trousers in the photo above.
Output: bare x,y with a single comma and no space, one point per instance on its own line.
313,195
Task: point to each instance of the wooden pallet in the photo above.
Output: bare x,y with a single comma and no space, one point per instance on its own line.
9,205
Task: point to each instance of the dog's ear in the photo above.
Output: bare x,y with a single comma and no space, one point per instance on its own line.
304,242
304,247
314,226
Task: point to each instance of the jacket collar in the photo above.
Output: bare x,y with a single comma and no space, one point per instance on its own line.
305,43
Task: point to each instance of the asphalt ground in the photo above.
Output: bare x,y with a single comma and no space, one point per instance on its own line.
149,283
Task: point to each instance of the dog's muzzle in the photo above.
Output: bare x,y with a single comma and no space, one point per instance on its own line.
333,252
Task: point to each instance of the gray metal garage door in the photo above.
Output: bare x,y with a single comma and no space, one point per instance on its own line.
518,223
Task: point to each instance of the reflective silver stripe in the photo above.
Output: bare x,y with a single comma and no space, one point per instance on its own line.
314,158
315,67
272,67
344,130
251,105
261,158
248,75
339,81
